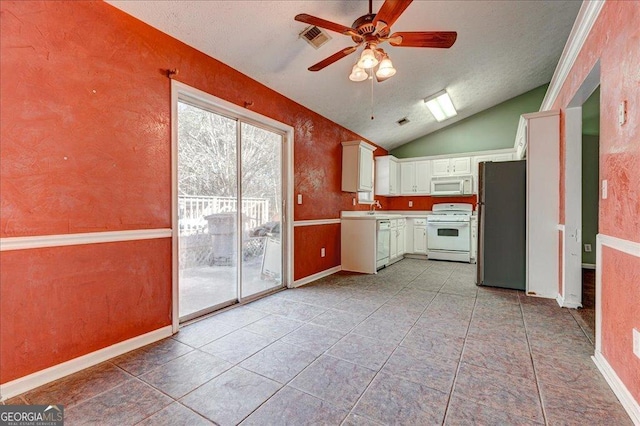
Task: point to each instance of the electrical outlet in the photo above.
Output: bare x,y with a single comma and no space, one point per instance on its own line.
587,248
636,342
322,252
299,198
354,201
604,189
410,203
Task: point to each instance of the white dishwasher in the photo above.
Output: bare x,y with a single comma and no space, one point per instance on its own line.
383,242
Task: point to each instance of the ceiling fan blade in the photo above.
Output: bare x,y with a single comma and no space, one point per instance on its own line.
391,11
439,39
323,23
333,58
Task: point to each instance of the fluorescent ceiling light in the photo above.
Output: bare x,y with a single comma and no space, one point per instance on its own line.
441,106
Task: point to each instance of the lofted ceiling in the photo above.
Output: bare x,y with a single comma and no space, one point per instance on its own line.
503,49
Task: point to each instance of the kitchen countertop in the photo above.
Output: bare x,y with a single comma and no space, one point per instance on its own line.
383,214
388,214
364,216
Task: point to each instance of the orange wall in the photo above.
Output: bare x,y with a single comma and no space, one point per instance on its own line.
620,313
63,302
615,41
85,134
425,202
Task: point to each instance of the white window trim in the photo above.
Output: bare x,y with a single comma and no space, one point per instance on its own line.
179,90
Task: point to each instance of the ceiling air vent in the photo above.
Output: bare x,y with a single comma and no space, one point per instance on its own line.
402,121
315,36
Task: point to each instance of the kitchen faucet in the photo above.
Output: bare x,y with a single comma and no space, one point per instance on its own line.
372,207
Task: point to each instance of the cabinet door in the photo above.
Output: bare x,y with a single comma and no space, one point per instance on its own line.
440,167
460,166
407,178
393,178
401,247
420,239
386,173
365,175
393,247
423,177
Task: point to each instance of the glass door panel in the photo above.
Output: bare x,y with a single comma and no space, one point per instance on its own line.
207,211
261,183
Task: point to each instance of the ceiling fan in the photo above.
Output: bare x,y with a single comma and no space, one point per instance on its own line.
372,30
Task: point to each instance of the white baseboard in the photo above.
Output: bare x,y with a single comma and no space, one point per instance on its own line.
588,266
317,276
39,378
621,391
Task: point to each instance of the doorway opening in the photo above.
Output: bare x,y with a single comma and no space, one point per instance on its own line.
586,315
582,203
229,210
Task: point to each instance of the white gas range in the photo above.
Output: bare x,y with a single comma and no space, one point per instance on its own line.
449,232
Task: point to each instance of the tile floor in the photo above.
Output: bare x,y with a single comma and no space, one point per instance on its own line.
417,344
586,316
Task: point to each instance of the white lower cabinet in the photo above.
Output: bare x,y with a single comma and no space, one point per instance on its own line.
393,246
397,239
420,236
401,237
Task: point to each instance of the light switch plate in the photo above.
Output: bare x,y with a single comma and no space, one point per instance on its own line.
636,342
604,189
322,252
622,113
299,198
410,203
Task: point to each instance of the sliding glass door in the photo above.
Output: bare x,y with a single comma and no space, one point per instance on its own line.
261,209
229,209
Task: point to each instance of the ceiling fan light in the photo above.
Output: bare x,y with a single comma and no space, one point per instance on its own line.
385,69
368,59
358,74
441,106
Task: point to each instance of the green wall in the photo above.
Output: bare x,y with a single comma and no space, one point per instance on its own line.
590,175
493,128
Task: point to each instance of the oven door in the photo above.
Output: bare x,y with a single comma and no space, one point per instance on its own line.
450,236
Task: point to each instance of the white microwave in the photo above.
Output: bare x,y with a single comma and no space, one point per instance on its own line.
451,186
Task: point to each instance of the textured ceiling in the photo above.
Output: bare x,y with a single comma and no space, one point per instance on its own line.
504,48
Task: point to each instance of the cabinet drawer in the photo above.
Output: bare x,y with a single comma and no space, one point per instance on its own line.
422,222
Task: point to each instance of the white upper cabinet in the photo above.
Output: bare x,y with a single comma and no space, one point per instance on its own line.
387,175
408,178
460,166
451,166
415,177
440,167
357,166
508,156
423,176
